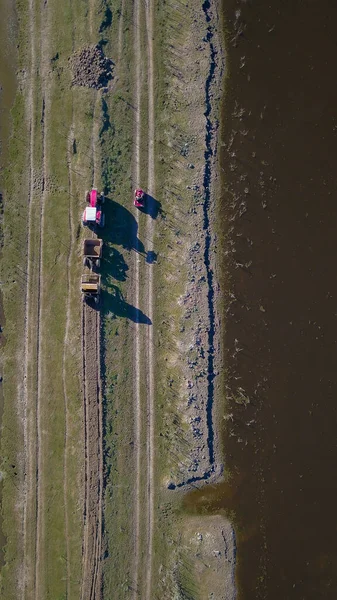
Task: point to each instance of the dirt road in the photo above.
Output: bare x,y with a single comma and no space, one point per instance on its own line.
149,286
137,399
26,437
143,341
92,540
32,521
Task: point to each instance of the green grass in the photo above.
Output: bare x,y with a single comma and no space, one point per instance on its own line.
12,273
116,155
113,116
55,254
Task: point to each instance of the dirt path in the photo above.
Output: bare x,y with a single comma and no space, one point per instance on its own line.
120,32
33,500
92,541
149,270
64,360
143,372
40,523
39,499
93,422
27,439
136,175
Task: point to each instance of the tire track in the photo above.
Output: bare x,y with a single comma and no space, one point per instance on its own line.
136,352
28,300
33,339
92,542
93,418
39,499
120,32
143,546
40,524
149,272
66,342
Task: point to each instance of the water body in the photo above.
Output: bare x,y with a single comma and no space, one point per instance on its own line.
280,214
7,93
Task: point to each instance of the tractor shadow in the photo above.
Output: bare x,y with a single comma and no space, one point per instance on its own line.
121,227
114,301
152,207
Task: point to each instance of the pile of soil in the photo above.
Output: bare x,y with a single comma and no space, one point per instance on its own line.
91,68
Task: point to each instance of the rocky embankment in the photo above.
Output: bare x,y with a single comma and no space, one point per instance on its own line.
199,326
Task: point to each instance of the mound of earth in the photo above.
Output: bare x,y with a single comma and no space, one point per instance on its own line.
91,68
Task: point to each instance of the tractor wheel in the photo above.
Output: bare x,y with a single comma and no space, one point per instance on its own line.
87,196
102,198
98,263
85,261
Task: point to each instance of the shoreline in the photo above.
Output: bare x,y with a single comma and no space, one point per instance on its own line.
205,399
203,265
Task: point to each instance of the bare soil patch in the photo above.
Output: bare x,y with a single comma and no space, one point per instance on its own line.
208,557
91,68
92,542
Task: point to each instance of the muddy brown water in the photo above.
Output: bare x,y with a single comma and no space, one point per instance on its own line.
279,254
7,93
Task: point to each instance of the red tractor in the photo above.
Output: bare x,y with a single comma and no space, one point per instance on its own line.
93,214
139,198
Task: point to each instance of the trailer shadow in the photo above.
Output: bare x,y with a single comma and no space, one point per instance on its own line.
121,227
115,264
113,300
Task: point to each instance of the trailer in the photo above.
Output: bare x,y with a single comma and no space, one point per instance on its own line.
92,253
91,287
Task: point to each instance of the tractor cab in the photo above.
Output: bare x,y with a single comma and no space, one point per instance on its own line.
139,198
93,216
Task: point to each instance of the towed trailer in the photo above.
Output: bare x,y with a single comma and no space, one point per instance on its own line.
92,253
91,287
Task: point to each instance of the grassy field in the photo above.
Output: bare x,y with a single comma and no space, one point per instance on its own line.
79,138
51,203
